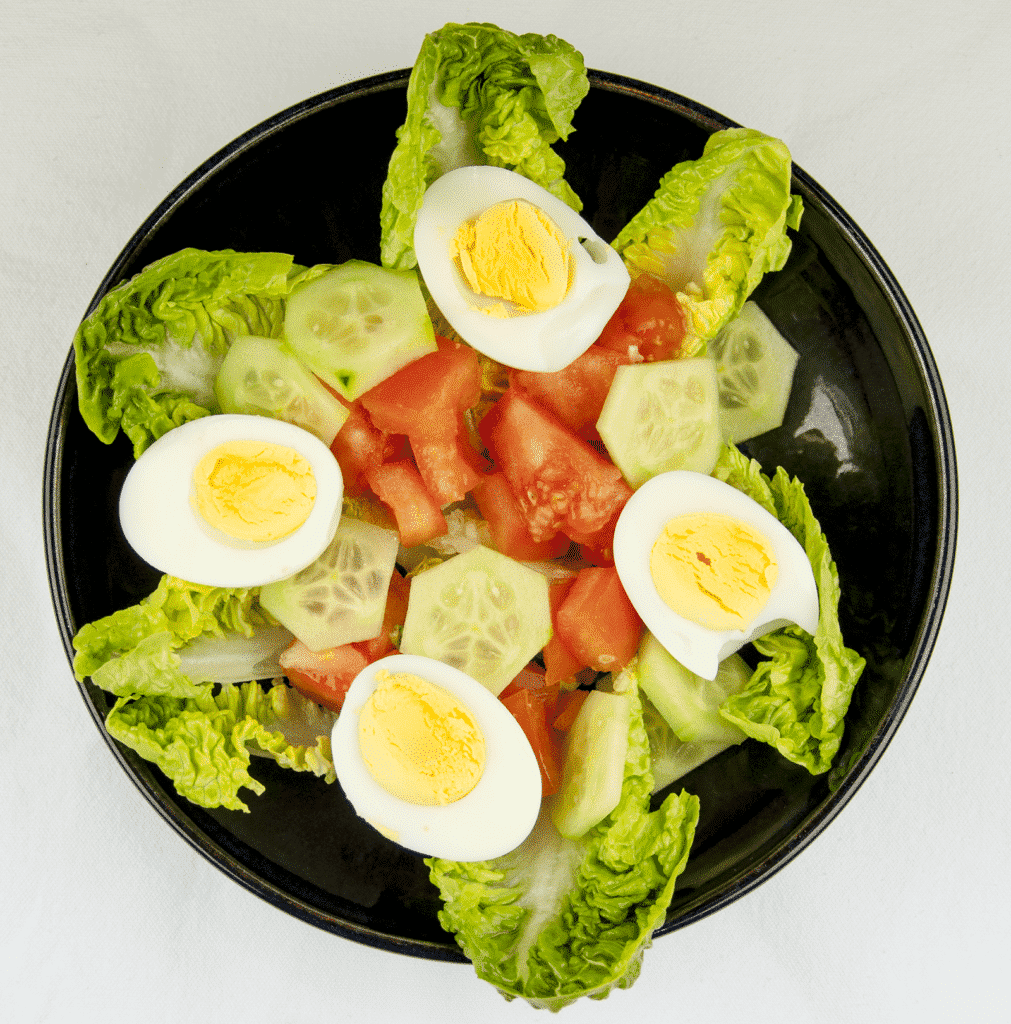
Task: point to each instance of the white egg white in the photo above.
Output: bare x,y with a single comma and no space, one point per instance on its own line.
492,819
794,596
161,525
545,341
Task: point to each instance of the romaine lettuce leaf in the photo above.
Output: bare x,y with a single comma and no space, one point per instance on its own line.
557,919
133,650
480,95
714,226
203,743
148,354
797,698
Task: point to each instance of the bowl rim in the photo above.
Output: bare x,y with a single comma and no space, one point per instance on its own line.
922,643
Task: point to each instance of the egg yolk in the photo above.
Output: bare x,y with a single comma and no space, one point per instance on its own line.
713,569
254,490
419,742
515,251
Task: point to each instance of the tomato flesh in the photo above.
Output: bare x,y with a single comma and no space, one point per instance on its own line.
559,480
575,394
399,486
597,622
648,325
428,396
323,676
500,509
533,703
559,662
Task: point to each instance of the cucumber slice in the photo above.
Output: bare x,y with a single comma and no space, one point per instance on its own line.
662,416
754,366
358,324
260,377
481,612
341,597
689,703
595,752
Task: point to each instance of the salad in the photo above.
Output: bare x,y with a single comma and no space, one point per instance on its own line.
436,486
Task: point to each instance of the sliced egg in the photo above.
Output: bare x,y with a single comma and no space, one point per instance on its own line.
435,762
232,501
708,569
517,273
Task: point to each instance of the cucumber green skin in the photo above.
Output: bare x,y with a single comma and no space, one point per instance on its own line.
641,397
390,327
481,612
350,579
754,363
259,377
689,703
595,752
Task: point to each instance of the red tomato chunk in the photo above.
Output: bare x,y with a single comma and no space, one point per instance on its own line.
649,325
560,482
597,622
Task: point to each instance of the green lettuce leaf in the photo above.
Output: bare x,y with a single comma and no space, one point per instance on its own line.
480,95
148,354
715,226
203,743
797,698
557,919
132,651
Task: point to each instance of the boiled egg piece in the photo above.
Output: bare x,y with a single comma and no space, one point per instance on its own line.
435,762
232,501
517,273
708,569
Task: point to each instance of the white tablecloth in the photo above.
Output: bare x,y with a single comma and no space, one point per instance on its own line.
899,912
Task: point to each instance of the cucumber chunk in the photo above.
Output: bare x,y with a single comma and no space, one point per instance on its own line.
662,416
689,703
260,377
481,612
341,597
595,751
358,324
755,366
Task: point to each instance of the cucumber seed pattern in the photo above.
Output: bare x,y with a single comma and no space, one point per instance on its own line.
350,316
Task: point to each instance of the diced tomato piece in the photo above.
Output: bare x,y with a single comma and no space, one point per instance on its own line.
500,509
323,676
427,397
395,614
559,662
399,486
649,325
531,677
576,393
597,622
567,708
361,446
559,480
449,467
534,715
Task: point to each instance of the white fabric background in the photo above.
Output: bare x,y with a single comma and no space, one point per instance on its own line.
899,108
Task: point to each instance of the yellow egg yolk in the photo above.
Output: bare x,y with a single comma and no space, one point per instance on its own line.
514,251
713,569
419,742
254,490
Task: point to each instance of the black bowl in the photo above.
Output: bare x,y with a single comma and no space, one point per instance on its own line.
867,430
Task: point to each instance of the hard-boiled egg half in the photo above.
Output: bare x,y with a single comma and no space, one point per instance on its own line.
517,273
232,501
708,569
430,758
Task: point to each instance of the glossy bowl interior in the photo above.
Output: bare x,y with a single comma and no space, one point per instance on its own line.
867,430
